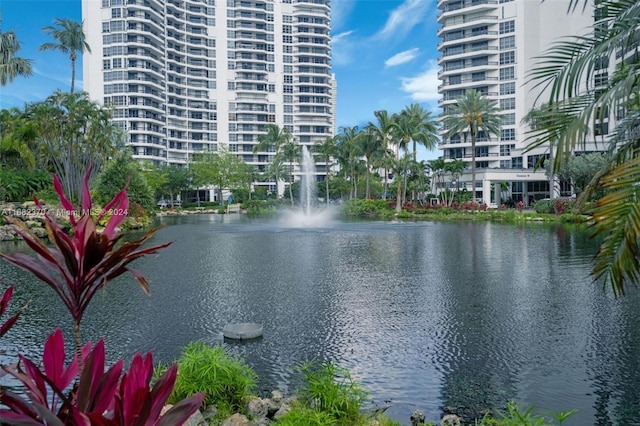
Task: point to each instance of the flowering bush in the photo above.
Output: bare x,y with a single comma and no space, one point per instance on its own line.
520,206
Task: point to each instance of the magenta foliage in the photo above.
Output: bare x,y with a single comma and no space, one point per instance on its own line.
6,297
85,260
98,398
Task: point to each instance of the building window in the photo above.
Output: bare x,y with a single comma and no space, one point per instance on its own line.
508,134
507,42
116,12
516,163
508,88
508,57
508,119
536,160
288,79
507,27
508,73
287,39
508,103
505,150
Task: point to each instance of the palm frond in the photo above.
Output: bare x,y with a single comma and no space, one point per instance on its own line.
617,218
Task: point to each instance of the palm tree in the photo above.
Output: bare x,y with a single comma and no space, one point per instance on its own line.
438,169
382,128
11,66
563,69
291,152
372,148
349,153
327,149
415,124
456,168
70,40
272,141
473,114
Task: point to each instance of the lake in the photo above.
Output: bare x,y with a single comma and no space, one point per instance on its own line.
427,315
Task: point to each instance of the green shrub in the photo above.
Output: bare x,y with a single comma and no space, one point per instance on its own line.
301,415
330,389
226,381
513,415
543,206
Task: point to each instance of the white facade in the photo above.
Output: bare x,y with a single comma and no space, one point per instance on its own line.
490,46
184,76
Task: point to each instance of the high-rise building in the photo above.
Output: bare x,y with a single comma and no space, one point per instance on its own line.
491,46
186,76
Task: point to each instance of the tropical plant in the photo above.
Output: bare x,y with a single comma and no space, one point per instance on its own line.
326,149
372,148
290,153
98,398
4,302
114,177
382,129
73,132
78,264
473,115
348,154
567,70
226,381
12,66
330,389
414,124
70,40
272,141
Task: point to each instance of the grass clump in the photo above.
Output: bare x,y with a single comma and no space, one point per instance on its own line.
226,381
513,415
329,396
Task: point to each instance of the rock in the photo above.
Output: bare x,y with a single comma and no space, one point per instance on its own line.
257,408
417,418
39,232
7,233
450,420
210,413
236,420
196,419
277,396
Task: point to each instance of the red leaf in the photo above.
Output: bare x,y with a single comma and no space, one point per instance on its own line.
53,360
92,371
118,214
180,412
6,297
162,390
63,200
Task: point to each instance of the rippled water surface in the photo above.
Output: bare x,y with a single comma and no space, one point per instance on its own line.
426,315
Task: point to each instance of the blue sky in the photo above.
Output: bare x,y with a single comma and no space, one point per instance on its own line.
384,54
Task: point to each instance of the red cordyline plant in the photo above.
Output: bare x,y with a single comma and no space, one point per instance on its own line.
4,302
98,397
78,264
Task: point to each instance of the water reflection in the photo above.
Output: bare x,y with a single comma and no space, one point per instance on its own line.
426,315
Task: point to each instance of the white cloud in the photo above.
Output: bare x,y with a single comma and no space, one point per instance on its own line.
424,86
341,48
340,11
402,57
403,18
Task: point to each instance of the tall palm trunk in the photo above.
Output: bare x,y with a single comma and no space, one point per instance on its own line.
73,70
473,166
